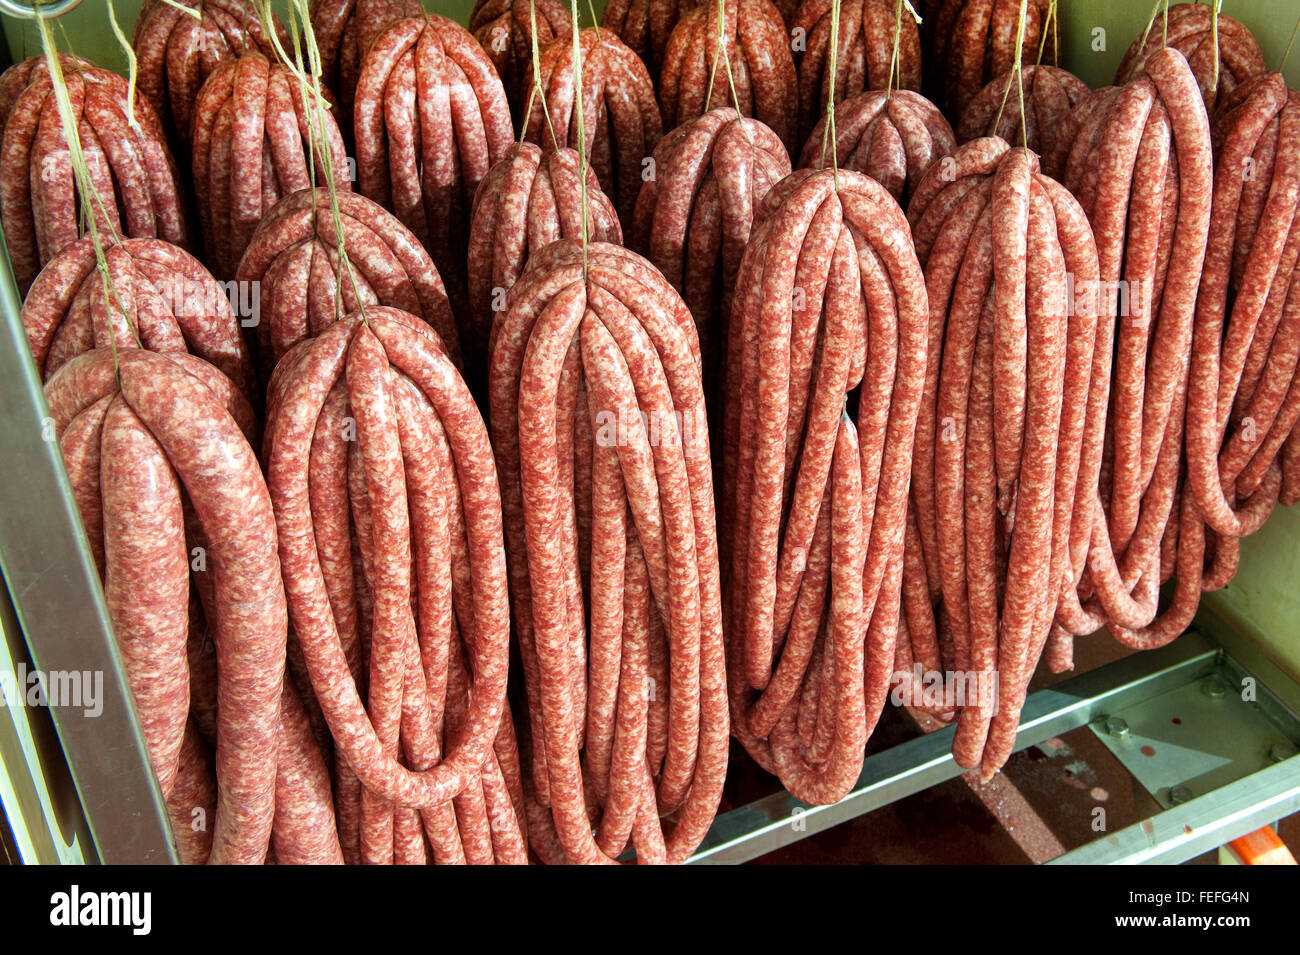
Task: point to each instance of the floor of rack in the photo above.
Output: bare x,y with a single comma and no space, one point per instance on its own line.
1066,793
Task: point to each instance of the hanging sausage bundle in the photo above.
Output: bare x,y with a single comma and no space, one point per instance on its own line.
127,158
694,217
177,50
620,116
344,30
1258,174
385,496
1221,55
728,45
645,26
1051,95
250,149
598,424
504,28
976,41
830,310
1000,455
1141,168
293,259
158,289
866,60
1243,394
158,468
528,200
430,120
386,499
890,135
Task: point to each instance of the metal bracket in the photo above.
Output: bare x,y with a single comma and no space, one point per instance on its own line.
1201,736
30,11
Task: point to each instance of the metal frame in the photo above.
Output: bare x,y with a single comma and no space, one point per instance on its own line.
34,783
28,11
1204,823
908,768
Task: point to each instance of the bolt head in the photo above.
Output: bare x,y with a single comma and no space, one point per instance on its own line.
1281,752
1214,688
1116,726
1180,794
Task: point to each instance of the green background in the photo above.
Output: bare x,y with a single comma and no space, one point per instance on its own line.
1262,601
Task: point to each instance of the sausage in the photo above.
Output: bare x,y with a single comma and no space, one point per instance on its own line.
653,753
506,34
621,119
193,800
176,52
1188,30
356,739
146,581
977,47
402,491
1035,511
232,504
839,769
464,129
869,276
1216,374
527,200
393,258
1007,540
918,131
304,831
862,22
344,30
172,303
266,107
1050,94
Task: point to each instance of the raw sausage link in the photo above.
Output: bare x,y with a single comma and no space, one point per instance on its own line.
269,112
176,52
173,285
600,733
872,301
146,581
393,267
620,116
862,22
528,200
504,29
464,128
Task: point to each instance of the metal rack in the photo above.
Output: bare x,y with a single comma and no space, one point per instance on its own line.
1253,792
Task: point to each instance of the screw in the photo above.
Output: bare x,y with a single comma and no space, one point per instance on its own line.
1179,795
1214,688
1116,726
1281,752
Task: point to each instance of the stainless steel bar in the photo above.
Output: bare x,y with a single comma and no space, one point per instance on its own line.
1202,824
780,819
56,593
29,11
46,825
